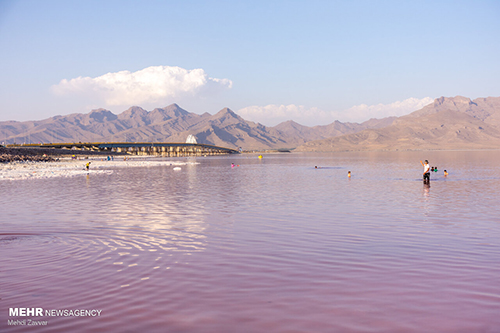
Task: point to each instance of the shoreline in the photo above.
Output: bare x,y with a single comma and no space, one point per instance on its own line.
65,166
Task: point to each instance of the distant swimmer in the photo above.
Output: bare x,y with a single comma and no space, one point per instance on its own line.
232,165
427,174
260,156
349,174
445,173
87,166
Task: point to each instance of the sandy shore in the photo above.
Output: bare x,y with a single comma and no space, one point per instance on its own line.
67,167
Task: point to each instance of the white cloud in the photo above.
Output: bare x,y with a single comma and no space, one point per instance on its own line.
155,84
272,114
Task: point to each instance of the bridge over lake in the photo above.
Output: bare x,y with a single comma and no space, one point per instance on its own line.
141,148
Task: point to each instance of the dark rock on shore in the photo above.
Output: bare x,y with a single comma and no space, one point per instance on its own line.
23,155
7,158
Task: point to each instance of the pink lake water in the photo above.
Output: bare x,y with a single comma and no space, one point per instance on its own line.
274,245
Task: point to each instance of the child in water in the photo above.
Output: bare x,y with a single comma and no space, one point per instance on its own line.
445,173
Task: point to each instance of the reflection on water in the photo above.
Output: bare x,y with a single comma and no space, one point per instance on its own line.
427,189
272,245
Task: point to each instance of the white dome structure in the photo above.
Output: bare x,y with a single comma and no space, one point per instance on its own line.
191,139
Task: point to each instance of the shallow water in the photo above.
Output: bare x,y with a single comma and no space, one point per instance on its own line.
274,245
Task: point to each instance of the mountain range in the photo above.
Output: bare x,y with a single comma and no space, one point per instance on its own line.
173,124
447,123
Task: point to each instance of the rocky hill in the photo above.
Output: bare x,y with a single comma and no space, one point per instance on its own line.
448,123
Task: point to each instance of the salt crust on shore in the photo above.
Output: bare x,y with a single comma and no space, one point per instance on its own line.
71,168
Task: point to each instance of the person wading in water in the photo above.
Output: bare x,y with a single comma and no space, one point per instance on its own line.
427,174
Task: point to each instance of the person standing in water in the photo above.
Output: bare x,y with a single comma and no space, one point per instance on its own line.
87,166
427,174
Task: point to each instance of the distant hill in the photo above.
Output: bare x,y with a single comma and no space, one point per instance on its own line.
448,123
173,124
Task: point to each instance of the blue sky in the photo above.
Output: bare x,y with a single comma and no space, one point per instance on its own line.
270,61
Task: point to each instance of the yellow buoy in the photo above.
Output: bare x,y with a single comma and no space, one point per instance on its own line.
260,156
